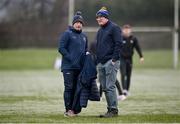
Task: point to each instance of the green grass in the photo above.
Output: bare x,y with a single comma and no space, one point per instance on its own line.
58,118
22,59
36,96
31,93
156,59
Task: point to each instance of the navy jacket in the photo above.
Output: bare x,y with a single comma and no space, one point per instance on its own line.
72,46
86,86
128,45
109,40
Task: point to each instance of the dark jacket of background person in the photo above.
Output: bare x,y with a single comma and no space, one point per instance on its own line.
109,43
86,86
92,50
128,45
73,46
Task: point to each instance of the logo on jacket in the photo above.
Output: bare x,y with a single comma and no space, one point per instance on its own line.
84,39
74,37
124,41
132,41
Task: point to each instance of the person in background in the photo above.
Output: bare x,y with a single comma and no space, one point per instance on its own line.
129,43
108,45
73,47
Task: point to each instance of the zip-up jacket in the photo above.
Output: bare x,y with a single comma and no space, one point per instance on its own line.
72,46
128,45
109,42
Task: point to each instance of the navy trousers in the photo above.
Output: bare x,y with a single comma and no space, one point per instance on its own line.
70,82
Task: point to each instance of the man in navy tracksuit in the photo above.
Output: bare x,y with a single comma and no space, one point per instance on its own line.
107,51
73,47
129,43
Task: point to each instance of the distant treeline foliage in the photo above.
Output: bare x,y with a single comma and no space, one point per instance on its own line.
38,23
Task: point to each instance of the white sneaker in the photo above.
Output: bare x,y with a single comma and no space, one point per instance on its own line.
70,113
65,114
126,93
121,97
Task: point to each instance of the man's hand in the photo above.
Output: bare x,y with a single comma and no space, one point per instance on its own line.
141,60
112,62
87,53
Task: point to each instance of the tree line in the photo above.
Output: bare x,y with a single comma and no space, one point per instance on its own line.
37,23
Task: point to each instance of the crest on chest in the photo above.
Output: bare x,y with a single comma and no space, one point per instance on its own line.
74,37
124,41
84,39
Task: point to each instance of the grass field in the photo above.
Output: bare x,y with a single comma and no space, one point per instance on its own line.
23,59
31,91
37,96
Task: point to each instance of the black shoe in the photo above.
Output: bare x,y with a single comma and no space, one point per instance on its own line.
110,113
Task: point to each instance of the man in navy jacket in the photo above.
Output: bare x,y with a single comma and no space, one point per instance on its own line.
73,47
107,51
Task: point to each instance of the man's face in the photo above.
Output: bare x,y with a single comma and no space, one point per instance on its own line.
78,26
126,32
101,20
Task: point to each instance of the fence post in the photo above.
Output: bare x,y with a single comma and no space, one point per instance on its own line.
71,11
175,34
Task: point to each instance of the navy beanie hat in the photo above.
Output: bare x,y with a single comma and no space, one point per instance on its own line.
78,18
102,13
